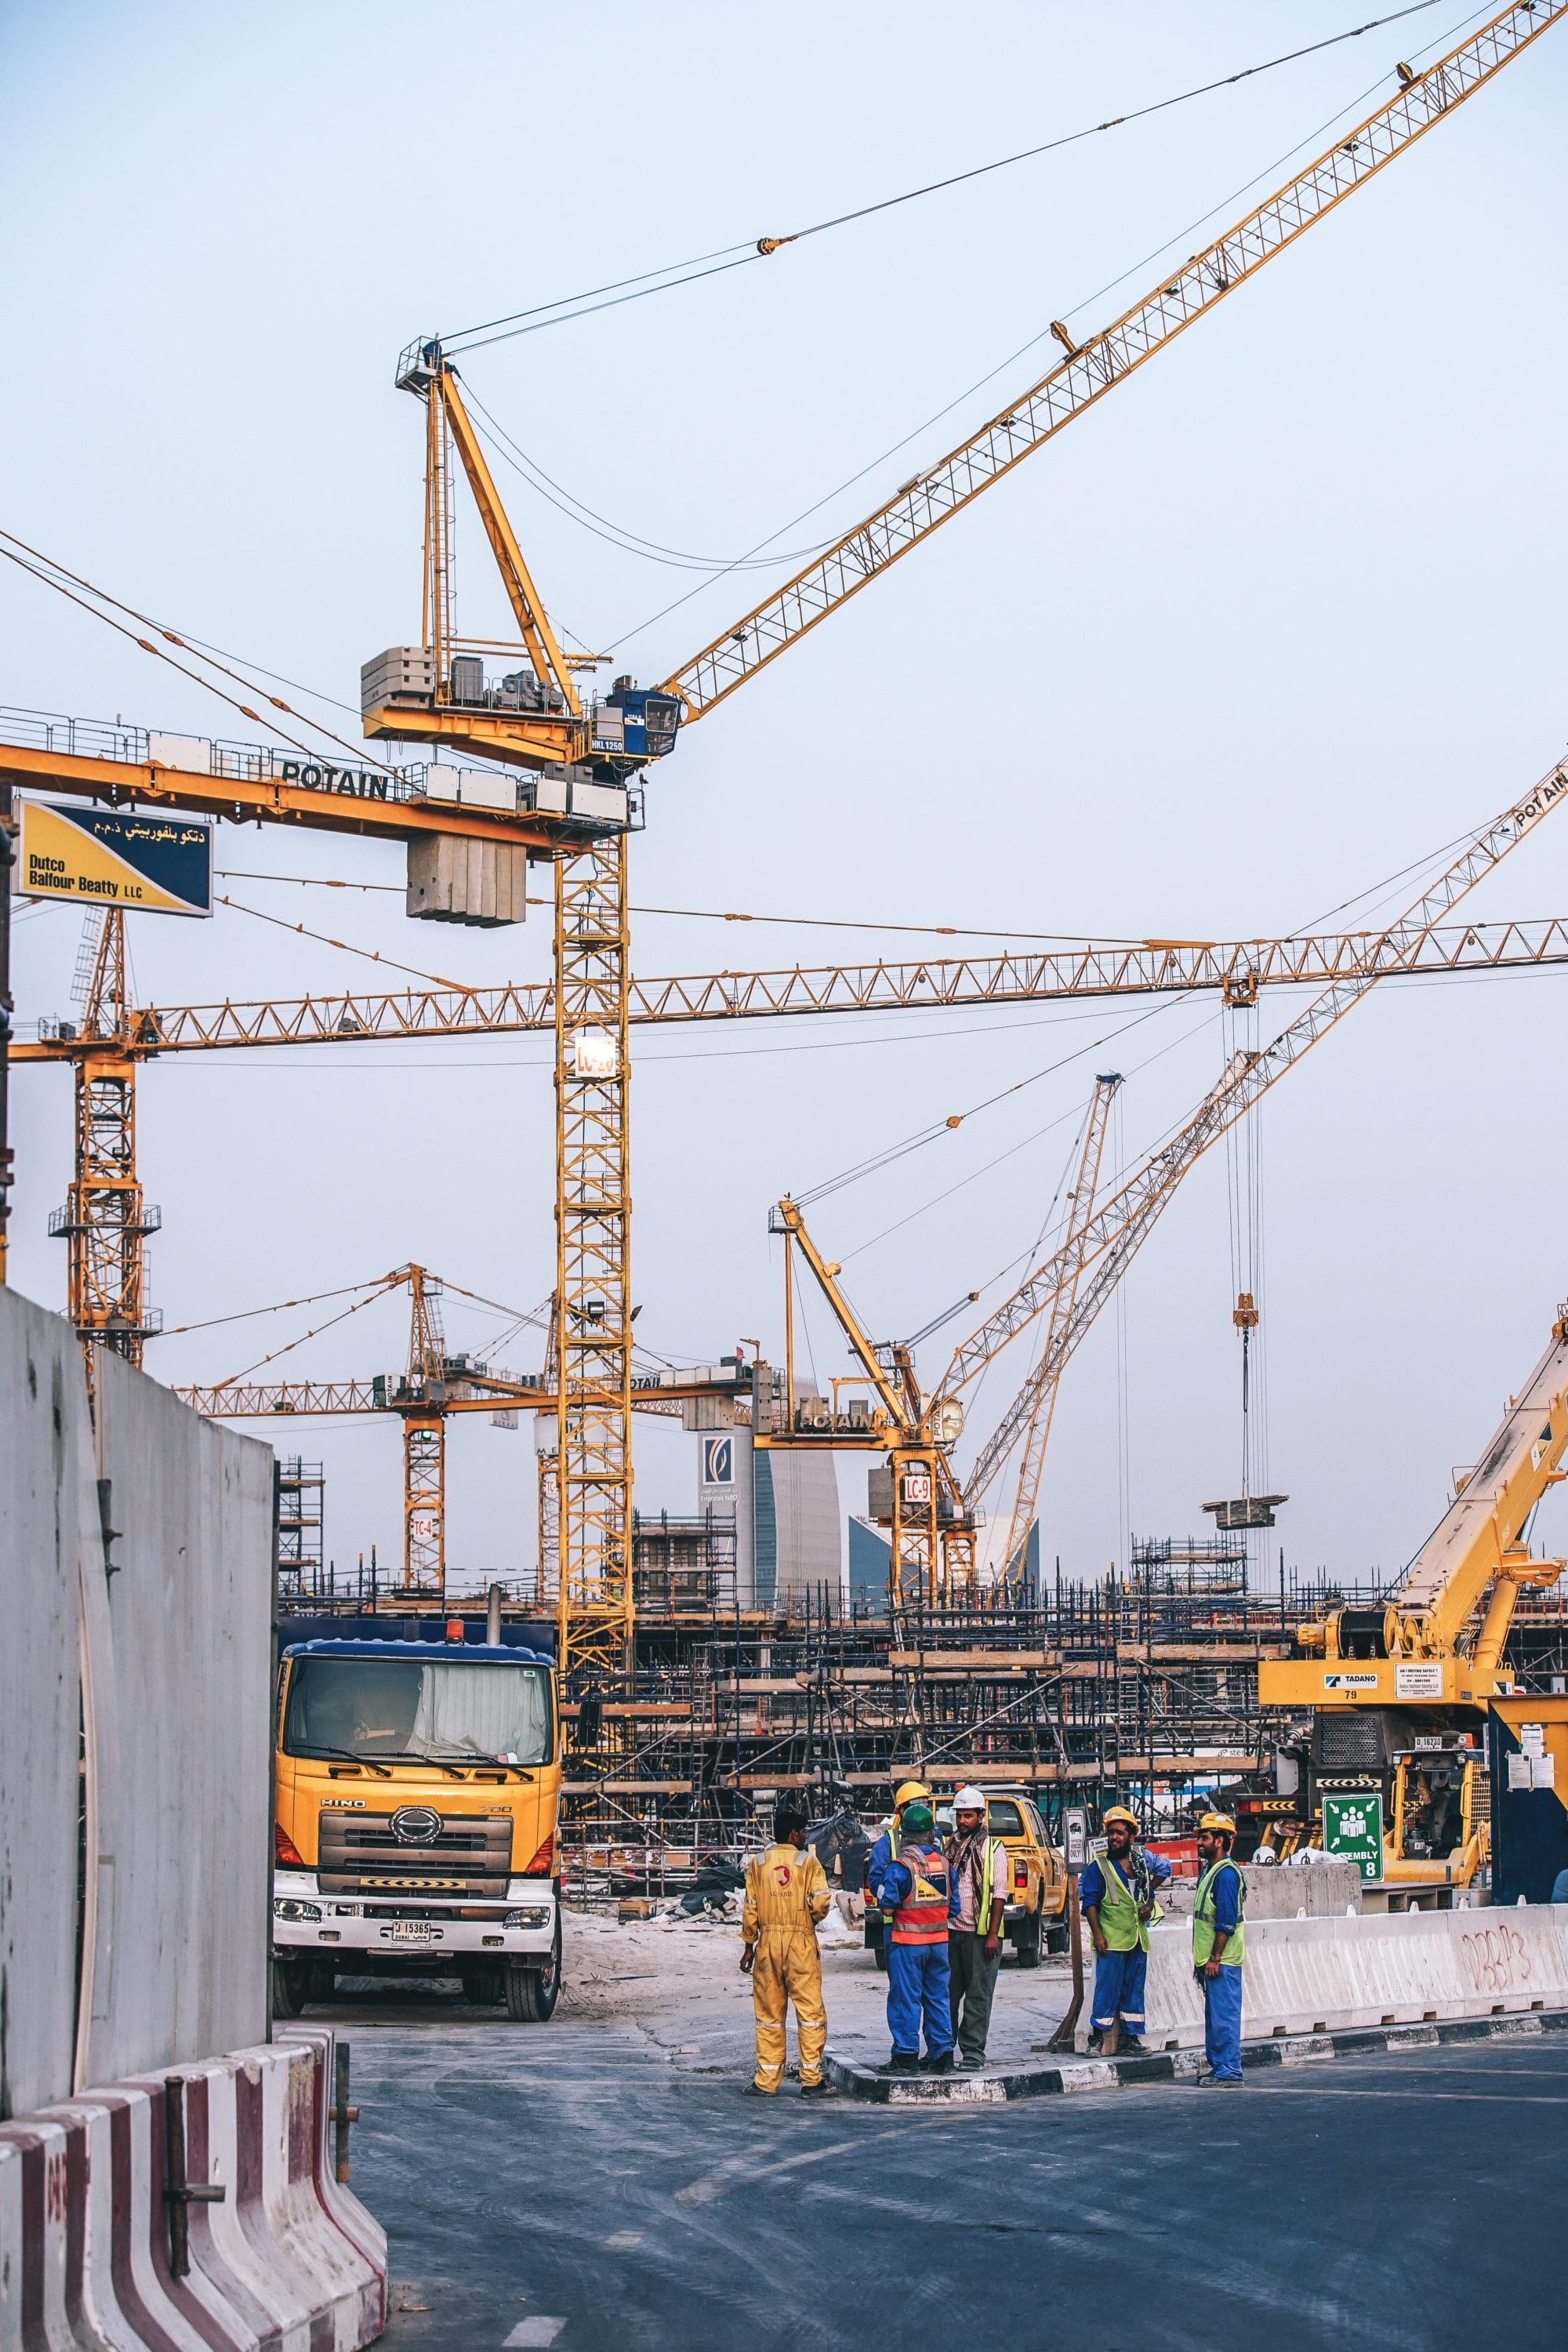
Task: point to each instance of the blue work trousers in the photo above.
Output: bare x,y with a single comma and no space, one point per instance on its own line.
1119,1979
1222,2023
917,1986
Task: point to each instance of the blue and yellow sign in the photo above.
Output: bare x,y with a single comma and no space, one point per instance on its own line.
138,858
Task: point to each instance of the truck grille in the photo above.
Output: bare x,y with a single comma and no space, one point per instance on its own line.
360,1854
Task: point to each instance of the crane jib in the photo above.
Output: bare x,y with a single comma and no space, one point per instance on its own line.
1103,359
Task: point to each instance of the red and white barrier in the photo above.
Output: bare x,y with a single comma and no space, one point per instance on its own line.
289,2260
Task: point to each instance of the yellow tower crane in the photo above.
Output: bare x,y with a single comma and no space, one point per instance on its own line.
106,1219
578,808
106,1222
534,716
433,1385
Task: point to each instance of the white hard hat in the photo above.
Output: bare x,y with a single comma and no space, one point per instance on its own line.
969,1800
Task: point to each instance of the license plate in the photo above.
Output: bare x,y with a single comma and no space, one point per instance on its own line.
411,1931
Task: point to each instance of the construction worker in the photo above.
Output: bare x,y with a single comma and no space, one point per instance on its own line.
974,1940
1116,1893
787,1896
917,1887
1219,1942
885,1845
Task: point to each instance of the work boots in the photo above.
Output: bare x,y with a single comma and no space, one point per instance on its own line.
903,2061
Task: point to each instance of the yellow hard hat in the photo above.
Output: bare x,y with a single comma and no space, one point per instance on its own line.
908,1793
1120,1813
1218,1822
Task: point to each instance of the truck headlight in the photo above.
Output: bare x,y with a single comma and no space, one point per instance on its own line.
536,1915
286,1907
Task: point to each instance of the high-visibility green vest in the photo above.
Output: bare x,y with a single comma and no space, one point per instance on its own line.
1203,1918
1119,1921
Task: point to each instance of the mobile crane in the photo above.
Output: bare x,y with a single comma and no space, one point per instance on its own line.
1398,1692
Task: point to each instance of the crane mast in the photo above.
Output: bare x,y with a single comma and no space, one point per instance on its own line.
106,1219
1044,1390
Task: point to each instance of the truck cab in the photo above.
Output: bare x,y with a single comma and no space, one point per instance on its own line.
417,1790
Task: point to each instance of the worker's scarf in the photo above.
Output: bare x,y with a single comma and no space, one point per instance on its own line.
1134,1868
968,1853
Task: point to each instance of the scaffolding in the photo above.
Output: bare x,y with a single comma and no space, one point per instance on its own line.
1140,1687
302,1517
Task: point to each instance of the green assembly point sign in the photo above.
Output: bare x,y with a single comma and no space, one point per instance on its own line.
1352,1831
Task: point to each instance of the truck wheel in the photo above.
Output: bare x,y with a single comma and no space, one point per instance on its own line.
880,1953
291,1984
484,1988
1026,1941
320,1980
533,1987
1057,1935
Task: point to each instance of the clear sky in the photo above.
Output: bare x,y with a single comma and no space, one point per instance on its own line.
1283,616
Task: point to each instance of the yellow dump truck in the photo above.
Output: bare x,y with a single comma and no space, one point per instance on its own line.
417,1789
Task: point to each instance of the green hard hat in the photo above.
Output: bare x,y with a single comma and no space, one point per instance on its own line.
918,1817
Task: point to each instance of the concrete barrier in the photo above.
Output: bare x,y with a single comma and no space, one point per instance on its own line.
1321,1890
1407,1968
288,2262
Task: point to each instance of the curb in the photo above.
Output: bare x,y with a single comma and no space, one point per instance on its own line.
1001,2085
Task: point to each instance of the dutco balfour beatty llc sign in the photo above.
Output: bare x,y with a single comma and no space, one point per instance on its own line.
115,857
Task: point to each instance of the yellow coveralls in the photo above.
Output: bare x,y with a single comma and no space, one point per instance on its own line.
786,1893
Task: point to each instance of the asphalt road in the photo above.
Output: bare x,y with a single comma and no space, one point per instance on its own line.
565,2185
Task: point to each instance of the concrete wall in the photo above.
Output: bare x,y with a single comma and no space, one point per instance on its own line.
46,1496
179,1641
175,1688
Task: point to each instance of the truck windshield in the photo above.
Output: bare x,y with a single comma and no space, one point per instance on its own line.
403,1708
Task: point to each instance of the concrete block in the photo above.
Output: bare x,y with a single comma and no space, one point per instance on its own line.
1323,1890
191,754
454,880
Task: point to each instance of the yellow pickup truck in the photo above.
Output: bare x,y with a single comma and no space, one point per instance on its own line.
1034,1920
417,1790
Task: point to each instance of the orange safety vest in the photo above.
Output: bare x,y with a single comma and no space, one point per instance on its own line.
921,1917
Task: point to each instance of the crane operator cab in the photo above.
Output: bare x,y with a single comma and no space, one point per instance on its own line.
1441,1810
